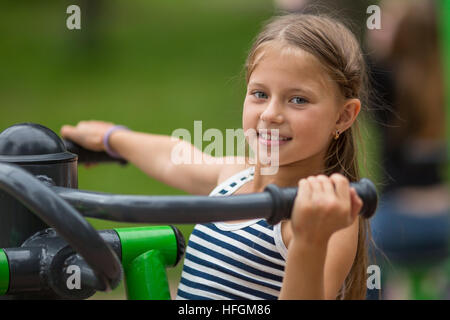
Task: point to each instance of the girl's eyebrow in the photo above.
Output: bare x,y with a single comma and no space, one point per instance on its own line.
303,90
256,84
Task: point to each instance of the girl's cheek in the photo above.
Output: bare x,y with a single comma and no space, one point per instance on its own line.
312,133
249,117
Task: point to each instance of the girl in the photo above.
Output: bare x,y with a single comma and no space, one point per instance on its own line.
305,78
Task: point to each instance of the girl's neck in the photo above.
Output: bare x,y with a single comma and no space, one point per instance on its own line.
287,175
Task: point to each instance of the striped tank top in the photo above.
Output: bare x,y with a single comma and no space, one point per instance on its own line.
233,260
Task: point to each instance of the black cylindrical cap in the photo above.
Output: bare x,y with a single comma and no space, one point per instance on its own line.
27,143
367,191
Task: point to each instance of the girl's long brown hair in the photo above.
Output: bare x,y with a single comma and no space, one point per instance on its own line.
339,52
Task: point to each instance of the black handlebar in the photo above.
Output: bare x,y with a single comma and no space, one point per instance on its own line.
274,204
88,156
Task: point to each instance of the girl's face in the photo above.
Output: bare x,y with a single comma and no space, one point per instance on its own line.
289,91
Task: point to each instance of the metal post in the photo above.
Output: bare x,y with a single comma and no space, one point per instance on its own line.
146,277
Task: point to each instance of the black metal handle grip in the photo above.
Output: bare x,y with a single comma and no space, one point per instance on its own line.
89,156
283,200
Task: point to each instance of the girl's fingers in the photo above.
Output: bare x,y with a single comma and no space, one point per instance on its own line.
304,189
342,186
70,132
88,134
326,184
315,185
66,130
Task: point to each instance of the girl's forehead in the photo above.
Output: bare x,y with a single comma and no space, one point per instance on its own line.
290,64
295,57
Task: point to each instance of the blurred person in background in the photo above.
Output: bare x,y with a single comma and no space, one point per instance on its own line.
351,13
412,223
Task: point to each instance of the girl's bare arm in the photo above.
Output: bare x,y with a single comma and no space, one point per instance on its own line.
318,270
152,153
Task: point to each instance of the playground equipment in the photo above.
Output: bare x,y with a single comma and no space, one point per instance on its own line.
46,241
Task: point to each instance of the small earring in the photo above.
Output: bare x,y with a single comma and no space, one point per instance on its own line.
336,135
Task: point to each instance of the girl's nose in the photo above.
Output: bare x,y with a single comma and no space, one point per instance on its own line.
273,113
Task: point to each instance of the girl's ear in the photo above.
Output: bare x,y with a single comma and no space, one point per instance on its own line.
348,114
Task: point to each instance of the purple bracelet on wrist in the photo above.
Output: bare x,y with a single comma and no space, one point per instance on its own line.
106,141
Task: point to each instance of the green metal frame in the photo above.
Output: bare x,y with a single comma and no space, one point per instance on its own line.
146,253
4,273
146,278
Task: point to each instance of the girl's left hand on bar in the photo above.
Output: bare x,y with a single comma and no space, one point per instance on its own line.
323,206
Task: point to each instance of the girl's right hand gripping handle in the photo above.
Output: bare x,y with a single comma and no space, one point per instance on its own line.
283,200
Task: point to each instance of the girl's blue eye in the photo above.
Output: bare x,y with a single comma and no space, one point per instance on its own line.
299,100
260,95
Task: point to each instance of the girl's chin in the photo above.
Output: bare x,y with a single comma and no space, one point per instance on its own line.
272,159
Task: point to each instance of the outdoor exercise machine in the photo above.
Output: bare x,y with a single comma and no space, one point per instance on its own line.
45,240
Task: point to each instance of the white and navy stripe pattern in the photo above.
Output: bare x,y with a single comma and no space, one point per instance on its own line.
233,261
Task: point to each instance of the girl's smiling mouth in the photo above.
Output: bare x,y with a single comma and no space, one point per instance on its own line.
267,139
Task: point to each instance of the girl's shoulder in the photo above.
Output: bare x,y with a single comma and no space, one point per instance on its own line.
229,169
